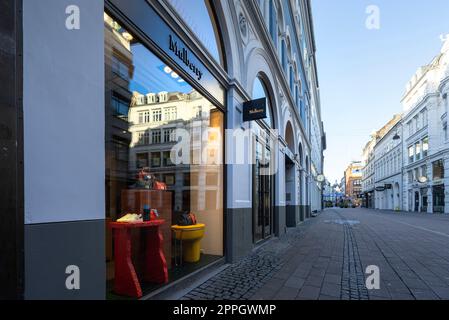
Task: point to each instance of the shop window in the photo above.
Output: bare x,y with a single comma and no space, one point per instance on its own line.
438,170
141,174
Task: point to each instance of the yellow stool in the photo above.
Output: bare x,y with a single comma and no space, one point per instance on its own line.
190,236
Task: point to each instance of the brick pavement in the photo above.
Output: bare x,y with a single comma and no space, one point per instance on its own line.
325,258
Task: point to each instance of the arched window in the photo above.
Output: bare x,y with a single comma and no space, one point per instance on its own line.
273,22
292,80
195,13
260,91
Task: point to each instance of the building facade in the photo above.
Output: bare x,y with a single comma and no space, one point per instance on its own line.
425,145
408,156
368,158
353,182
137,94
388,167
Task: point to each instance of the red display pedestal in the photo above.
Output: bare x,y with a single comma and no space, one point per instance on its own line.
134,200
126,280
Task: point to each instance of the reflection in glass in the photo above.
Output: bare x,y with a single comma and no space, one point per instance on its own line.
150,109
199,17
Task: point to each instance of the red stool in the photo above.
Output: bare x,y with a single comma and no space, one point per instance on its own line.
126,281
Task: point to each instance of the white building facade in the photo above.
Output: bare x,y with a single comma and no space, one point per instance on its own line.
388,170
139,71
425,144
368,177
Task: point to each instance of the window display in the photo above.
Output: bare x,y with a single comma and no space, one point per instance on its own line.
164,191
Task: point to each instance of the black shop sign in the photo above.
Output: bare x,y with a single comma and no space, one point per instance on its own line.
255,109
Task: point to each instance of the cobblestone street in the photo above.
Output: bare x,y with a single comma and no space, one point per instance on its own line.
326,258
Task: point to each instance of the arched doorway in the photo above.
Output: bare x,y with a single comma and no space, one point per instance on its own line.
263,175
307,198
301,183
396,197
289,177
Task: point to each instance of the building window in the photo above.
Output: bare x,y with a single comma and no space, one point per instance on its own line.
418,151
273,23
438,170
411,154
120,68
170,114
127,191
410,177
170,179
199,16
120,106
157,115
169,135
141,160
424,171
425,147
143,138
166,160
156,136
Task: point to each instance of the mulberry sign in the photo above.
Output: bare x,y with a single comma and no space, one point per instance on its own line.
171,48
183,55
255,109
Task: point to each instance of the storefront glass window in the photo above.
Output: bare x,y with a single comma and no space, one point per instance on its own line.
199,17
438,170
152,187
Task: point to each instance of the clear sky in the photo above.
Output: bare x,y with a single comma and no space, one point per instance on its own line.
363,72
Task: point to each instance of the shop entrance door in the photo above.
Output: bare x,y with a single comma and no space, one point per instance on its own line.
262,194
438,199
416,201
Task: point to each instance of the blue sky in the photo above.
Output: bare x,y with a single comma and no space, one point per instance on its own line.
363,72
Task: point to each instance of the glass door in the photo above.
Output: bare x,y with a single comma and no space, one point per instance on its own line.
262,193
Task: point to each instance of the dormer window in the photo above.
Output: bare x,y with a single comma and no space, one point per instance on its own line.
151,98
163,97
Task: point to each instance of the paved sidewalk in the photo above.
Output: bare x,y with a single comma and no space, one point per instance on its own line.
326,258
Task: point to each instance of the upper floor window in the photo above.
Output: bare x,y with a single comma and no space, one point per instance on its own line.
199,16
425,146
411,154
273,26
259,91
157,115
418,151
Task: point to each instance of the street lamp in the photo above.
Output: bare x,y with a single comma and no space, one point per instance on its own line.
396,136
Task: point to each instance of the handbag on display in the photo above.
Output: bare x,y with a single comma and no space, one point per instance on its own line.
187,219
157,185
